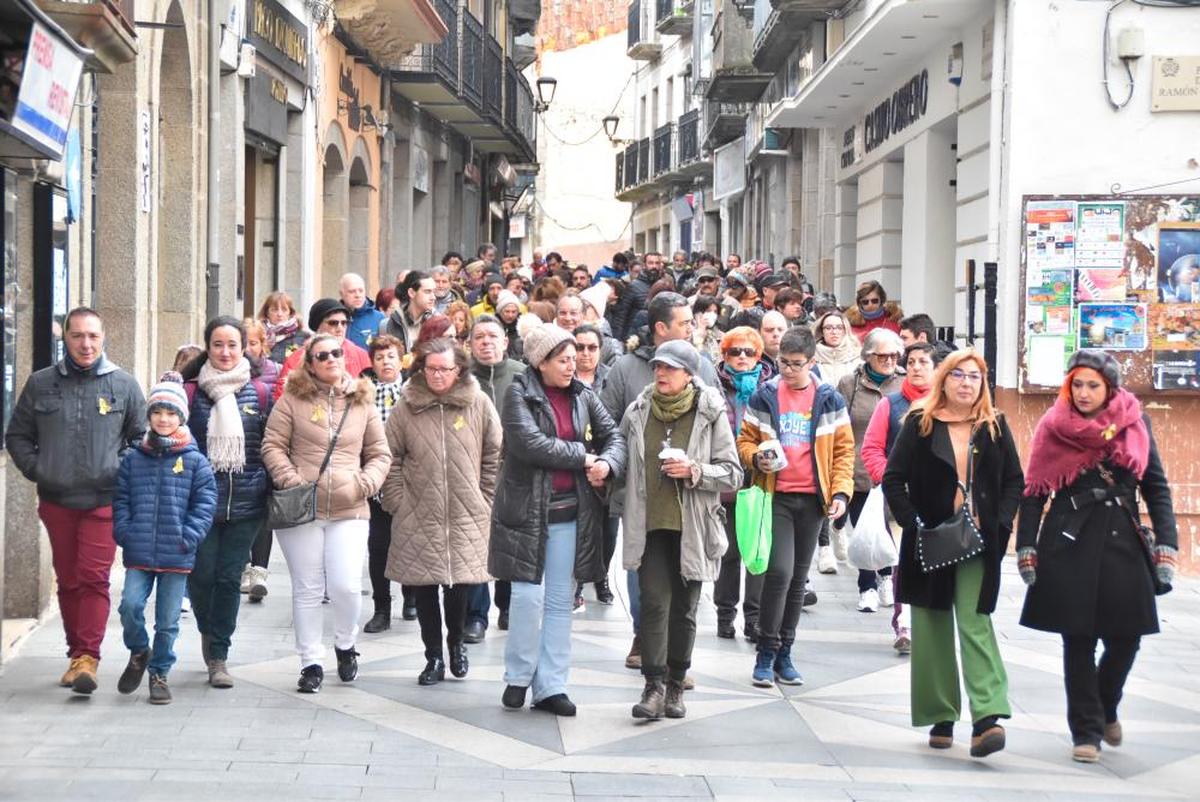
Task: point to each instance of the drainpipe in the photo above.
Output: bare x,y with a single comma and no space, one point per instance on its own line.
213,271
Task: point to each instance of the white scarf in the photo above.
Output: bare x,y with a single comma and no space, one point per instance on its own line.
226,440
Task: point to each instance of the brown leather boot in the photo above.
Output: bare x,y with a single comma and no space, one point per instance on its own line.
634,658
653,699
68,678
674,705
218,674
85,677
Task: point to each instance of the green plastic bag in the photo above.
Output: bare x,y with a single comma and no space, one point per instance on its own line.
752,517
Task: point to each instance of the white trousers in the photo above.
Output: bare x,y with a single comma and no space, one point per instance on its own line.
325,557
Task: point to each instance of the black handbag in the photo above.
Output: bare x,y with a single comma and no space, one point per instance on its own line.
296,506
952,541
1145,535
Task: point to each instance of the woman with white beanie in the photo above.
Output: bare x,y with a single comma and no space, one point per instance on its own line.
560,447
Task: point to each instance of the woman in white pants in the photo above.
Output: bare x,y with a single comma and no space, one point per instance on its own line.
323,404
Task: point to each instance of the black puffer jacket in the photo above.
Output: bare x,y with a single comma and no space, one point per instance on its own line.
532,452
633,299
240,496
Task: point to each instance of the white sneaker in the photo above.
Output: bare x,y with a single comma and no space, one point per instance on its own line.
826,563
868,601
840,540
247,577
258,583
885,591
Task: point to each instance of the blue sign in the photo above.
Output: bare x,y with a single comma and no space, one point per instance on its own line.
74,175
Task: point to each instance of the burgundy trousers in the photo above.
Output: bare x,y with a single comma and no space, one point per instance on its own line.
83,548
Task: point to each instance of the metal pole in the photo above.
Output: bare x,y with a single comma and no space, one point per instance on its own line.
990,280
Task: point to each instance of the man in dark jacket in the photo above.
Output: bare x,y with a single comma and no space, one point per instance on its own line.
71,426
494,373
417,296
633,299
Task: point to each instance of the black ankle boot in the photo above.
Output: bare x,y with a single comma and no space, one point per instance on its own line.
435,672
458,660
381,621
347,660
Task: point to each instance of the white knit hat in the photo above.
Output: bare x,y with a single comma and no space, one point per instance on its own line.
596,296
541,341
506,298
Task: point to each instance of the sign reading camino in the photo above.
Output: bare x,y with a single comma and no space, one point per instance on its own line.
905,106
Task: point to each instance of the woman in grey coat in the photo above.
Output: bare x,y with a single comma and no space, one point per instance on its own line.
681,458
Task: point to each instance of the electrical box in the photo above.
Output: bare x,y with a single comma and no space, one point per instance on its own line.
1131,43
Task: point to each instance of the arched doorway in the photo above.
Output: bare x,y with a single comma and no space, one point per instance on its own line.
359,249
335,203
173,302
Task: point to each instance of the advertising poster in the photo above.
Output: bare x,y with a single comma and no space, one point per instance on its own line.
1053,288
1058,319
1035,319
1176,370
1049,235
1179,263
1100,234
1174,327
1100,284
1117,327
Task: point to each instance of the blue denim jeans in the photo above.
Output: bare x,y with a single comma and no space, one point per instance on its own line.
538,651
138,584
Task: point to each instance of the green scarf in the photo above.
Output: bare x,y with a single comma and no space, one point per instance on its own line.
670,408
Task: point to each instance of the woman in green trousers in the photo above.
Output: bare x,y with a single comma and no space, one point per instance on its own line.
954,439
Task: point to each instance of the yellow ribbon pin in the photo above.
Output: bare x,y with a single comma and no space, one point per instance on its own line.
178,465
318,414
459,423
102,405
587,433
248,409
1110,432
388,402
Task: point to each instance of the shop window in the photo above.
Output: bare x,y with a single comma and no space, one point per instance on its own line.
51,260
9,292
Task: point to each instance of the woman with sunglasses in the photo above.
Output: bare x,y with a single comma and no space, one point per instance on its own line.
1089,578
444,436
863,390
228,410
325,409
953,439
741,372
872,310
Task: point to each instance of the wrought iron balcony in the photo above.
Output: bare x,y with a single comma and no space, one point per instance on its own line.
643,160
642,40
430,65
671,157
689,137
662,149
472,60
619,172
493,79
674,16
723,122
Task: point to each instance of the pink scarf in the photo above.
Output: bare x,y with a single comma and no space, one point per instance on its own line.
1066,444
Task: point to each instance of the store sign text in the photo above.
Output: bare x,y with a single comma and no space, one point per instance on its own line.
906,105
47,94
284,36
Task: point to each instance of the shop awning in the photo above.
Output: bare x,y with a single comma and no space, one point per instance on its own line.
898,34
34,124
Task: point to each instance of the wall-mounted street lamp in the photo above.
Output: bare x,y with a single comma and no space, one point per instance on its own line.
546,87
611,123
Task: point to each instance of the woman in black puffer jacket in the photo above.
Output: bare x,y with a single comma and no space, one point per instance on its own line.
228,413
560,448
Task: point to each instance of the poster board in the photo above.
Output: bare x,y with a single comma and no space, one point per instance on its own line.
1120,273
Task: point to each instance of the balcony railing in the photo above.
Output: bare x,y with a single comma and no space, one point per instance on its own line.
472,59
723,122
633,28
642,41
493,78
643,160
439,59
620,173
674,16
662,149
526,123
689,137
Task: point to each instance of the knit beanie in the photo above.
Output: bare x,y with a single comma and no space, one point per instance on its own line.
1100,361
506,298
492,278
323,308
170,394
542,340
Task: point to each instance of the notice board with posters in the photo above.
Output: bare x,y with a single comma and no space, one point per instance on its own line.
1119,273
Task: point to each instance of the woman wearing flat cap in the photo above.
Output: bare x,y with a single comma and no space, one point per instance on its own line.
1091,577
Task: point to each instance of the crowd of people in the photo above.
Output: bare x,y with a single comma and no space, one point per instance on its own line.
487,433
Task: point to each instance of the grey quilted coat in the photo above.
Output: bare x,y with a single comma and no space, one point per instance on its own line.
445,462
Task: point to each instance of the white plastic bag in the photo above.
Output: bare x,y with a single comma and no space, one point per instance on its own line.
871,546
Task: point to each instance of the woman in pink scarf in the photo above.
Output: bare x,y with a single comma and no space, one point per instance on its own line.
1090,575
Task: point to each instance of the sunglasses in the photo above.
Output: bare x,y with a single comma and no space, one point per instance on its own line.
870,302
887,357
588,348
739,351
325,356
339,322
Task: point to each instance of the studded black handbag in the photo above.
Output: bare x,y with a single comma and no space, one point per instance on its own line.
952,541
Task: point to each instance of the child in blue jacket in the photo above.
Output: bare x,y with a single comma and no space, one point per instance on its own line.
164,504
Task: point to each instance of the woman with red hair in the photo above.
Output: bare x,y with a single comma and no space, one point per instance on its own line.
1090,575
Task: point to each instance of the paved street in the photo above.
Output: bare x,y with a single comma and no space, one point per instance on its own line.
843,735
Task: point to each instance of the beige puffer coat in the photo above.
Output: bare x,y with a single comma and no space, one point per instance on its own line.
297,436
445,463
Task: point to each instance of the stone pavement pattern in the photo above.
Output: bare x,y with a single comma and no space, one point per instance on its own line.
844,735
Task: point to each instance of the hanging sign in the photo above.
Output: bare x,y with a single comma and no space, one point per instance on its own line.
47,94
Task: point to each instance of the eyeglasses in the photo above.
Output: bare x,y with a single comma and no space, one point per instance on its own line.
887,357
588,348
325,356
962,376
738,351
431,370
833,327
339,322
787,364
870,302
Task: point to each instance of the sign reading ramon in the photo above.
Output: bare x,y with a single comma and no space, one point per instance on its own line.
906,105
281,36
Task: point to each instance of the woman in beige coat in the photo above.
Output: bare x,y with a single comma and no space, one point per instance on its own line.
445,439
326,555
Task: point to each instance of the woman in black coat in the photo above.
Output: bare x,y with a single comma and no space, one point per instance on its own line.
560,448
953,437
1090,577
